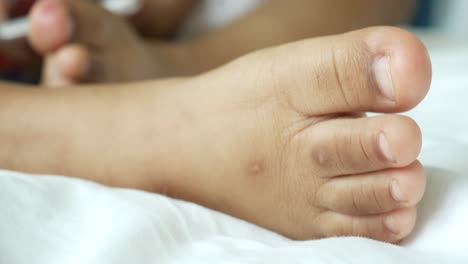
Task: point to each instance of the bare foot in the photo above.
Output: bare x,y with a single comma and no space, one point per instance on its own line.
283,147
275,138
82,42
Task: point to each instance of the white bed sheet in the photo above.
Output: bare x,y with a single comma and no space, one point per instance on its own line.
46,219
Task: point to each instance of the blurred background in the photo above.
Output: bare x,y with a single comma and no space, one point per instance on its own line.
446,16
443,19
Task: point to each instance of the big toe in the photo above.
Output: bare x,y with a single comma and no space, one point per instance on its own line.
379,69
51,26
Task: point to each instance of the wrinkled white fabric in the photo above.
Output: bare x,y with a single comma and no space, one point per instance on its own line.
47,219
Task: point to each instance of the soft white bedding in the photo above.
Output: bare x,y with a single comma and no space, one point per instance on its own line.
47,219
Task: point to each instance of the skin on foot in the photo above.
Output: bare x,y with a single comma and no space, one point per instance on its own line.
277,137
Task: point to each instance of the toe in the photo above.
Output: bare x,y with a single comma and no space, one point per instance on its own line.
74,62
51,26
358,145
409,67
374,193
52,76
67,66
373,70
390,227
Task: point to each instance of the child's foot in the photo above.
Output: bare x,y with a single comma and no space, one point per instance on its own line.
275,137
82,42
278,140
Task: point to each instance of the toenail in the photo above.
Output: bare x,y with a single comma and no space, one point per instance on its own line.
397,194
384,147
383,76
392,225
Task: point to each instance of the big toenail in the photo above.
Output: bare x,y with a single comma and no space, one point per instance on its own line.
384,147
383,77
397,194
392,225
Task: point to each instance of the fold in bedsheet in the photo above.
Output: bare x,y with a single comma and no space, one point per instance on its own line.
58,220
47,219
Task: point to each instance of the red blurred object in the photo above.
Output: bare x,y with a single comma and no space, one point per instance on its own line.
5,63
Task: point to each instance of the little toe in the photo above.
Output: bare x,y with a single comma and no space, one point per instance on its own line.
374,193
390,227
67,66
349,146
74,62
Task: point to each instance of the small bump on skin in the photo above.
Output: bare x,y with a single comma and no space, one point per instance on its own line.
255,168
320,157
